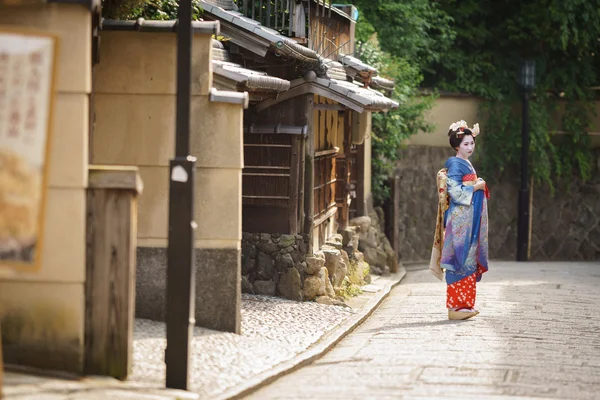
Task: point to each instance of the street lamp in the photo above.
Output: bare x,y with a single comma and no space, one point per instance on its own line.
526,84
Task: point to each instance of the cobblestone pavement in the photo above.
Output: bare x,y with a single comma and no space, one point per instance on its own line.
273,330
538,336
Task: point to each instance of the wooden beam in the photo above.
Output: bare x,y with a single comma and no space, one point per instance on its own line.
332,107
115,177
294,178
324,217
301,87
309,176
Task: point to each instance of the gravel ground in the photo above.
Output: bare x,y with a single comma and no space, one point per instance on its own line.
274,330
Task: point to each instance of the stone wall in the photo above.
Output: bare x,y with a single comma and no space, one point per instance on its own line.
566,226
278,265
274,264
373,243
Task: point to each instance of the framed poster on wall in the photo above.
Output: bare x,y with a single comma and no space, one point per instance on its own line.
27,75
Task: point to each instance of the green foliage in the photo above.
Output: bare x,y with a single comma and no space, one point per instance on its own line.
415,30
401,38
390,130
148,9
492,37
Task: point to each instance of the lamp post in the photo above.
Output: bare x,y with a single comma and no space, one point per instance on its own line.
526,84
181,271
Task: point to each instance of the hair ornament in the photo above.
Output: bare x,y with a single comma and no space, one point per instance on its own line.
459,127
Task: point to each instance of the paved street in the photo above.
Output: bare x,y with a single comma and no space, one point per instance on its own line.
538,336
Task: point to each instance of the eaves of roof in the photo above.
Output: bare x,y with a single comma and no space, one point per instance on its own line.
247,79
346,93
142,25
355,67
250,34
380,83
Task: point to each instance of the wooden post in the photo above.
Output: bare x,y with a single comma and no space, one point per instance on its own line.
110,269
393,219
309,175
294,183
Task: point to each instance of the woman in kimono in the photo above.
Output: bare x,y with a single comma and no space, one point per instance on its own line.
461,243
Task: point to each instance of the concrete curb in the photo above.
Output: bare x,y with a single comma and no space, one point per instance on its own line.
317,350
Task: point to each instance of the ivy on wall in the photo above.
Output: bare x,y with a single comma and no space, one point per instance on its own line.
491,39
476,46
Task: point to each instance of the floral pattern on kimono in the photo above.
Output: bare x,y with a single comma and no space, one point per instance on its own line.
465,250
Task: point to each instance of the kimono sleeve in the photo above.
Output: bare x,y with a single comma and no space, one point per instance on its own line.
458,192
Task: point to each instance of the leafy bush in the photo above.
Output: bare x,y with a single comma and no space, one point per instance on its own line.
147,9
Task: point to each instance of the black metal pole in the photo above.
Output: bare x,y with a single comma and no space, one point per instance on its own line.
523,219
181,271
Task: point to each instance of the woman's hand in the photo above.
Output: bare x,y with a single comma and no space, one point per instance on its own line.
480,185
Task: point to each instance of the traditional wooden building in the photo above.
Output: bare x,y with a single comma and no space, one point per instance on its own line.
306,150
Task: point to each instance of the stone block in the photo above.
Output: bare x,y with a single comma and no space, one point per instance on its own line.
350,237
376,257
315,263
341,271
266,288
286,241
248,265
264,266
335,241
316,285
290,284
332,259
267,247
363,223
247,285
283,262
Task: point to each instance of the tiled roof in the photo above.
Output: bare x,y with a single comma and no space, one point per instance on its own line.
224,4
349,94
276,42
335,70
368,98
380,83
243,78
355,67
250,80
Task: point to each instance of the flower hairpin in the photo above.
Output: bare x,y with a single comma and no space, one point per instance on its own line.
460,126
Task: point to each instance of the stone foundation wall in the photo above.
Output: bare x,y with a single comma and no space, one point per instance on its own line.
274,264
374,244
278,265
566,226
218,298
